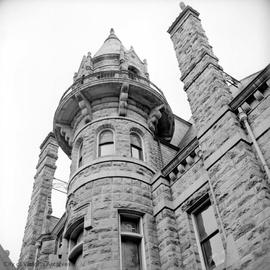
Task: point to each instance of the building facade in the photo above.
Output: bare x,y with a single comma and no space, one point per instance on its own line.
147,189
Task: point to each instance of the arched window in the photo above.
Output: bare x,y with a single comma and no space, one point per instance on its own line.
80,158
105,143
76,245
136,146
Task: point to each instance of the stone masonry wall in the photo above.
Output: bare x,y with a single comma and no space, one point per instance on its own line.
108,195
111,184
234,171
122,128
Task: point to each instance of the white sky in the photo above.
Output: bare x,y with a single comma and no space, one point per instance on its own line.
41,46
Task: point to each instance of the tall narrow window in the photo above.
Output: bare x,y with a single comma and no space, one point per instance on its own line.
136,146
131,242
106,143
208,236
80,158
76,247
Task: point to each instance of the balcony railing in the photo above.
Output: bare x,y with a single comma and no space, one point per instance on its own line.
104,75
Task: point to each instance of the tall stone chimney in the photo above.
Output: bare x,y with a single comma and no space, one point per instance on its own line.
41,194
233,169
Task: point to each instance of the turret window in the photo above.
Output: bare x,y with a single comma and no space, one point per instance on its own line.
132,249
76,246
106,143
136,146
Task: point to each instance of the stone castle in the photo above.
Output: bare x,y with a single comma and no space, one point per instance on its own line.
147,189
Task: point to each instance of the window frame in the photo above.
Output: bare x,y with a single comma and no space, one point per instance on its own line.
135,237
198,208
100,145
140,149
75,248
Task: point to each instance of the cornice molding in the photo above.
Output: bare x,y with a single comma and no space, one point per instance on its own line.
251,88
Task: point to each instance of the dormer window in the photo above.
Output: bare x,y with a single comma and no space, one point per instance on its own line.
136,146
133,72
105,143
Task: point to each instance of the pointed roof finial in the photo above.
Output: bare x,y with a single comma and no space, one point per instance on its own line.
112,35
182,5
111,45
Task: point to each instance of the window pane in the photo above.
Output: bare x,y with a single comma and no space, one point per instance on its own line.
130,255
206,221
105,136
129,224
135,140
106,149
213,251
135,152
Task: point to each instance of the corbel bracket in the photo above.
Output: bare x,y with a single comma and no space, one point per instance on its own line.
84,106
123,99
154,117
66,132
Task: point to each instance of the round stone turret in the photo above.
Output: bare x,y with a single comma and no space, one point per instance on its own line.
108,123
112,83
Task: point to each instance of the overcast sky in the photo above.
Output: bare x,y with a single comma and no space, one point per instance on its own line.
42,44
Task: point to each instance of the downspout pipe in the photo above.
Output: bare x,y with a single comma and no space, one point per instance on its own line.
244,119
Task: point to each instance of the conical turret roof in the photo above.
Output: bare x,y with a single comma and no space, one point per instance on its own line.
112,45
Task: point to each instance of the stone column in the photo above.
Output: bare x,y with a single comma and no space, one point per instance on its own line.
41,193
234,171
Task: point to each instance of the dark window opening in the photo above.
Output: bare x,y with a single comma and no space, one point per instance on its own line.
132,72
136,146
80,157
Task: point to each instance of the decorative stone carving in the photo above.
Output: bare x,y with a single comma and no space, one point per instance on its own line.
258,95
84,106
72,202
154,116
123,99
246,107
67,133
86,67
182,5
145,68
172,176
